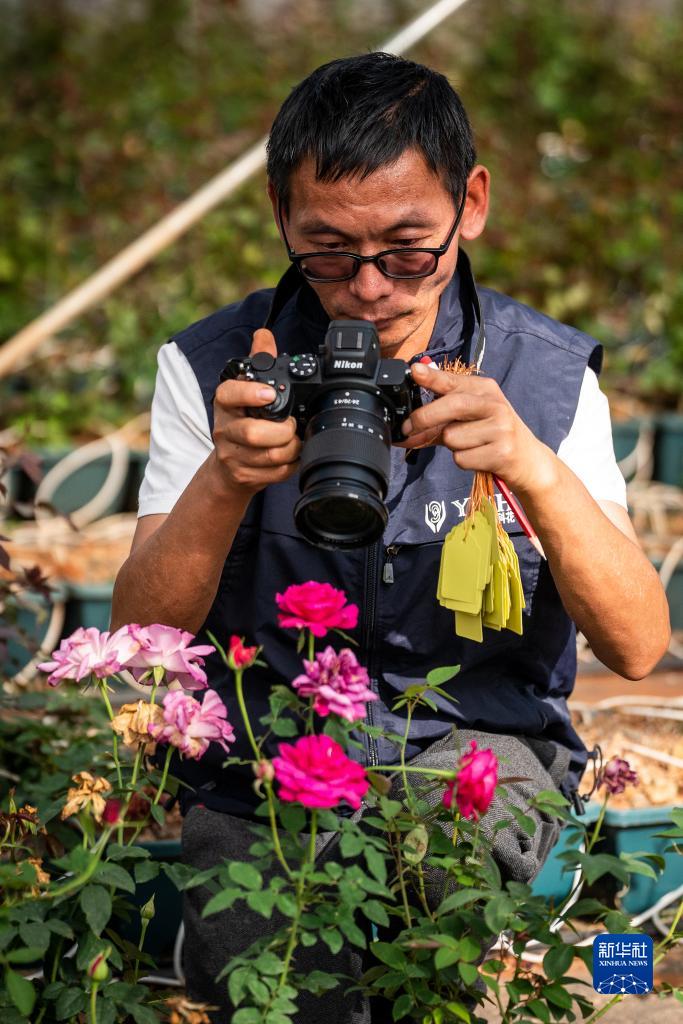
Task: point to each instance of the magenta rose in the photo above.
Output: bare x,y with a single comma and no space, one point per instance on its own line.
88,652
315,606
316,772
338,684
474,783
168,648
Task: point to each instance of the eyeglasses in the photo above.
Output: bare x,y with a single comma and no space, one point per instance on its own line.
402,264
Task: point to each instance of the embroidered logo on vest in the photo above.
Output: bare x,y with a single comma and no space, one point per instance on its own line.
435,514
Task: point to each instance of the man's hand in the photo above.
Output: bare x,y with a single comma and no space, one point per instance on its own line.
472,417
252,453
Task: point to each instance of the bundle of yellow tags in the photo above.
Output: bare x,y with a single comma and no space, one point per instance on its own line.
479,576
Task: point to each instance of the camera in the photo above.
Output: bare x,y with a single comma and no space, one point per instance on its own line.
349,405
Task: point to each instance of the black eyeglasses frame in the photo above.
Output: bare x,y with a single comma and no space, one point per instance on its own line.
437,252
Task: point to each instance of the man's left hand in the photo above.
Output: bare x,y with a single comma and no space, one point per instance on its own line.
471,416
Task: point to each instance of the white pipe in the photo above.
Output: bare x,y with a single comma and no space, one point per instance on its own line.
169,228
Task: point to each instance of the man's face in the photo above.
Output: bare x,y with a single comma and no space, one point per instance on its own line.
400,204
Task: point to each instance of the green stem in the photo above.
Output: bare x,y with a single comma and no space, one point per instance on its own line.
603,1009
164,776
670,934
311,646
293,935
404,772
276,835
115,744
152,696
143,931
93,1002
598,825
402,883
75,883
440,773
243,711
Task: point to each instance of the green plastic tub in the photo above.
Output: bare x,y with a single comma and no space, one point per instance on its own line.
633,831
669,450
552,882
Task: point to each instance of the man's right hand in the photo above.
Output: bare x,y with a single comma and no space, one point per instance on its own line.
251,453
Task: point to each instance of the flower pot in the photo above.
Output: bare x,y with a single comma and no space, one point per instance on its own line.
88,604
669,450
633,830
552,882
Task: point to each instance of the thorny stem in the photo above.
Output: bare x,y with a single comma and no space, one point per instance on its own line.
276,835
441,773
311,646
93,1002
603,1009
79,880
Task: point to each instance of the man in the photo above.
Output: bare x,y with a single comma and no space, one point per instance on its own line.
367,156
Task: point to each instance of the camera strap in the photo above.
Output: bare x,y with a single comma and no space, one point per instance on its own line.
291,282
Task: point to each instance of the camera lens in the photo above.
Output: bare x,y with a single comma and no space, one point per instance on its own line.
345,467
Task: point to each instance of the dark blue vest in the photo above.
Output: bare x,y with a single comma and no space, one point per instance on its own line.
507,684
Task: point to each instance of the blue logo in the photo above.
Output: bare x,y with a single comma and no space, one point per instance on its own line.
623,964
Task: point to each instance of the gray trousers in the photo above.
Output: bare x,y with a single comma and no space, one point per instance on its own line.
210,837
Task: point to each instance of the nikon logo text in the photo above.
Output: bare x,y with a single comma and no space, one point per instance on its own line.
347,364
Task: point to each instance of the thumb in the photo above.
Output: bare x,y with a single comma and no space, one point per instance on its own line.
264,341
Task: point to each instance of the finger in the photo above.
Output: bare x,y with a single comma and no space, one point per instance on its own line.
446,409
264,341
241,394
422,439
280,455
463,436
250,432
441,383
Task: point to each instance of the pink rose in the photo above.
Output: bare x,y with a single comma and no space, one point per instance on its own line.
474,783
191,726
164,647
239,656
316,772
338,683
315,606
88,652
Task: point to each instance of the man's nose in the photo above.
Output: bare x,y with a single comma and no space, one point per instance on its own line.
370,284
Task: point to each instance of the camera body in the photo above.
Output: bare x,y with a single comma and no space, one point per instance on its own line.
349,405
348,361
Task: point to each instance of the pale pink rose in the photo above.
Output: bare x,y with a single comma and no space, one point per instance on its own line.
617,774
316,772
315,606
338,683
168,648
87,651
474,783
191,726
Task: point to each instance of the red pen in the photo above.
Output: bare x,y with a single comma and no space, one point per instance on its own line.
519,513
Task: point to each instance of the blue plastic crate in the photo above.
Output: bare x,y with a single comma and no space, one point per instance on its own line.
633,831
552,882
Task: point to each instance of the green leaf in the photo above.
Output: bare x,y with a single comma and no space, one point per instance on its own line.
143,1014
375,912
20,990
60,927
237,984
402,1007
70,1002
117,852
376,863
351,844
146,870
96,905
460,899
106,1011
526,823
114,874
245,874
258,989
389,954
333,939
269,963
468,973
35,935
25,955
223,900
540,1009
247,1015
458,1010
445,957
158,813
262,902
292,818
470,949
558,996
437,676
557,960
497,912
352,932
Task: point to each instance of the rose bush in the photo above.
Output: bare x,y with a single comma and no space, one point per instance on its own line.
409,877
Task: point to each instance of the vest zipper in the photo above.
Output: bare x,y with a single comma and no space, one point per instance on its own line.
388,567
369,615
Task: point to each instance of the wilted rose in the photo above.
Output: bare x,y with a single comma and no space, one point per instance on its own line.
616,775
133,722
88,792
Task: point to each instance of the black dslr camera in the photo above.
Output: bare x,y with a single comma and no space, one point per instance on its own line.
349,405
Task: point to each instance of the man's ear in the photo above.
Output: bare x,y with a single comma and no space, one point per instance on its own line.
272,195
477,203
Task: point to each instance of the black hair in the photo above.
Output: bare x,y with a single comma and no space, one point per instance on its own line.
357,114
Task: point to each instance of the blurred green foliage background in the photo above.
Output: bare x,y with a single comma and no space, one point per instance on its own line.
113,111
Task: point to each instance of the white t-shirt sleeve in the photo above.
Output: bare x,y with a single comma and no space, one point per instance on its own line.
588,448
180,440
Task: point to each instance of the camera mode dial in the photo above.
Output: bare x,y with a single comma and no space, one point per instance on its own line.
302,366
